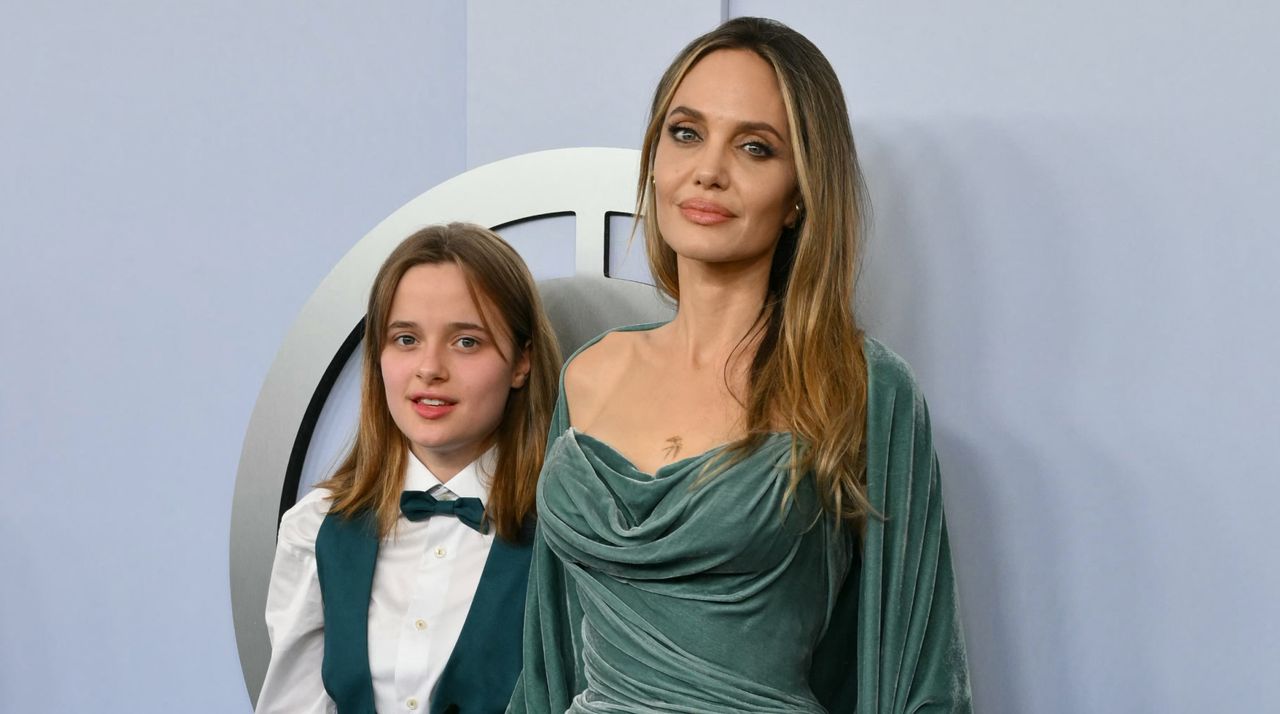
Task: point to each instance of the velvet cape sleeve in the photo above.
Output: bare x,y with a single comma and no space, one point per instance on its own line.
894,642
552,674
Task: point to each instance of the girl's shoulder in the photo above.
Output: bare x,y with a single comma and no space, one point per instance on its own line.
300,524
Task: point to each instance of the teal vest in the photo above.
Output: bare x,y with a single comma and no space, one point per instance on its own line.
484,665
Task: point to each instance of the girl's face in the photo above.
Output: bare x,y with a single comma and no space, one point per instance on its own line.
724,170
446,380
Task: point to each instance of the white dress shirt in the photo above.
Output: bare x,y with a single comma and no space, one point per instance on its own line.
423,583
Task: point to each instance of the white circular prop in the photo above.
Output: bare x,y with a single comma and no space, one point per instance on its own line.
589,183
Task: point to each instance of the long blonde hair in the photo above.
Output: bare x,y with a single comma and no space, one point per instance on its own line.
809,373
371,476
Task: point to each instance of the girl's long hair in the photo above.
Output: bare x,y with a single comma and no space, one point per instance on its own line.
809,373
371,476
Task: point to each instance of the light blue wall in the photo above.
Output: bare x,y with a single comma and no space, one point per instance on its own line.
558,73
1074,247
175,179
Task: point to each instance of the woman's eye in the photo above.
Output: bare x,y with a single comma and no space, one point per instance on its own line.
403,340
758,149
683,134
468,343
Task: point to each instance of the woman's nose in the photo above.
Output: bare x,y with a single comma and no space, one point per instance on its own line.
710,169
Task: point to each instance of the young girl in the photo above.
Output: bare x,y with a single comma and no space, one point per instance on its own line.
399,584
741,510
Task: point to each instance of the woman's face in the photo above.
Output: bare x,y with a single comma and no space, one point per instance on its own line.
446,380
724,169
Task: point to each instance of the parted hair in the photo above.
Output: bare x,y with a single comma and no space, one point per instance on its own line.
809,374
371,476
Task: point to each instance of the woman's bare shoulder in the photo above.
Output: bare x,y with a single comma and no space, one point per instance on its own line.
593,373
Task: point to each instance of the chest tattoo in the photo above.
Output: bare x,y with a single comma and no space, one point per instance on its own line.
672,449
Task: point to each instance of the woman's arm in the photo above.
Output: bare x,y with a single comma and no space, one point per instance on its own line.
552,674
895,643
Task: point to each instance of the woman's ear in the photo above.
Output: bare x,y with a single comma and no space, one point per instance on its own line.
795,214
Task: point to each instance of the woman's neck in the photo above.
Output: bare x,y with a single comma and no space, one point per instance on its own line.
719,305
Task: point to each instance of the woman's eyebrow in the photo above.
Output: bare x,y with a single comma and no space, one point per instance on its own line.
759,126
693,113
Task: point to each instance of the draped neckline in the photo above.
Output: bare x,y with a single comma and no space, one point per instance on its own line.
610,451
597,510
622,463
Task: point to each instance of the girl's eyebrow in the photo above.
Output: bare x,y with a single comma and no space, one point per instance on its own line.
758,126
452,326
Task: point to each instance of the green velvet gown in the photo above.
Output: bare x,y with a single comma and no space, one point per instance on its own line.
665,592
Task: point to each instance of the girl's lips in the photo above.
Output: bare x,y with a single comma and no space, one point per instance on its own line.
430,411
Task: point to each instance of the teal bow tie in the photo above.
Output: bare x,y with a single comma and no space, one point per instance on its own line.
419,506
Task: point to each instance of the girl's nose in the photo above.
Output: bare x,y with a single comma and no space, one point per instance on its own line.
431,367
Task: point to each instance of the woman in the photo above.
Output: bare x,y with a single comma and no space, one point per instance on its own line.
398,584
740,511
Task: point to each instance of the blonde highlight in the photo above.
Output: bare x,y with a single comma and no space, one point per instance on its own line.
809,374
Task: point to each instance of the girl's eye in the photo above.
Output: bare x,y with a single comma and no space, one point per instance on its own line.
404,340
682,134
468,343
758,149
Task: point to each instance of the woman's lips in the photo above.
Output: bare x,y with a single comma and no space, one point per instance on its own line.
705,213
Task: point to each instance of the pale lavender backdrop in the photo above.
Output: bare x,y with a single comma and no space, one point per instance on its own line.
1074,247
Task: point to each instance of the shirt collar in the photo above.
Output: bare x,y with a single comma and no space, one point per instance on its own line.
471,482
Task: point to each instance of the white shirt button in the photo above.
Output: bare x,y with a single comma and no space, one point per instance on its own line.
411,704
420,623
441,552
